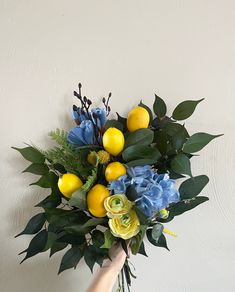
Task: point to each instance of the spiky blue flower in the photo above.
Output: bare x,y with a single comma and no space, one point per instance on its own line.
83,134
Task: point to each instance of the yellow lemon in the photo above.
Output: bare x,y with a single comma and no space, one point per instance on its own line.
114,170
68,184
138,118
113,141
95,200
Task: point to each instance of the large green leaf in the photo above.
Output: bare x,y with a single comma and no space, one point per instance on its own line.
140,137
185,109
184,206
70,259
86,227
191,187
31,154
161,241
37,244
141,152
34,225
198,141
37,168
159,107
181,164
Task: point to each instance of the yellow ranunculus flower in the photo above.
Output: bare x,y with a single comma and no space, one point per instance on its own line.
125,226
117,205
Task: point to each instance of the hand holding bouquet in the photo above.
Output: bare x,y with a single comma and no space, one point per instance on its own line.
113,180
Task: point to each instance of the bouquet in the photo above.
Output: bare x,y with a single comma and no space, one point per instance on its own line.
113,180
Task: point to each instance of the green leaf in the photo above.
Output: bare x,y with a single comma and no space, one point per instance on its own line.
140,162
37,244
57,246
70,259
157,231
98,238
51,239
123,121
179,138
73,239
86,227
143,219
173,128
161,241
51,201
161,140
142,249
90,256
108,239
34,225
185,109
159,107
114,124
48,180
141,152
148,109
62,218
181,164
137,240
198,141
78,199
140,137
191,187
184,206
31,154
37,168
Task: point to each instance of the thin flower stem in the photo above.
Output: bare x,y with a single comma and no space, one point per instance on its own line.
123,284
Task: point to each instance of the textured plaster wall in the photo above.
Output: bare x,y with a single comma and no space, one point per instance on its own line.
178,49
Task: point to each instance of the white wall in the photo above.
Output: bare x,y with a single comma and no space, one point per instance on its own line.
178,49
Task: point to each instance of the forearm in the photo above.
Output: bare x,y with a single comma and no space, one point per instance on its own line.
104,279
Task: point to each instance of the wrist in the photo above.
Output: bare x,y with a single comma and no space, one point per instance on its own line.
111,266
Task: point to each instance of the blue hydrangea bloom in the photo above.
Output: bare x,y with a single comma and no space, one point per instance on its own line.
82,134
155,191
